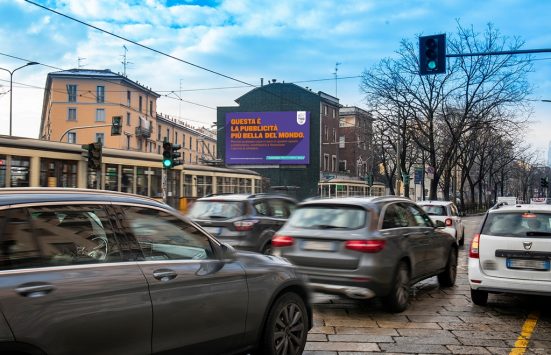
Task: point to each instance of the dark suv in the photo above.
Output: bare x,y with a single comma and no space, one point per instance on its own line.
245,222
94,272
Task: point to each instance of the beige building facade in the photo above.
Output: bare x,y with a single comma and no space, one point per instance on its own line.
79,105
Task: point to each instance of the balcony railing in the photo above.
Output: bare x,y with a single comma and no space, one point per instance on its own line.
144,132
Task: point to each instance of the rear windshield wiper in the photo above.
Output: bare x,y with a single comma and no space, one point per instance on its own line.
326,226
538,234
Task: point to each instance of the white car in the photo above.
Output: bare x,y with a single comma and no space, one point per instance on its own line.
446,212
512,253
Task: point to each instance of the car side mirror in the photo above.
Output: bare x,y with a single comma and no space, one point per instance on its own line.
228,252
440,224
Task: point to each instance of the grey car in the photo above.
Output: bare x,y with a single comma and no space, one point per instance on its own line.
367,247
244,221
93,272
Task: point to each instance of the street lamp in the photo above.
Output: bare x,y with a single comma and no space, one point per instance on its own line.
11,85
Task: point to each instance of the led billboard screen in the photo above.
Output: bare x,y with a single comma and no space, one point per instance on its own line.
268,138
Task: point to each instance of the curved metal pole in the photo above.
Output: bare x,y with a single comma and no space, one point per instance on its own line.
82,127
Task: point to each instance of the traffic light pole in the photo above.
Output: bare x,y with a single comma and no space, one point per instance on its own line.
83,127
519,51
164,184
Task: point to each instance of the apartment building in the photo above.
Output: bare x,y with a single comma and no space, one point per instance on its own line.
85,101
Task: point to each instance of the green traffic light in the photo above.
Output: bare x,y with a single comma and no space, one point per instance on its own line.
431,65
167,163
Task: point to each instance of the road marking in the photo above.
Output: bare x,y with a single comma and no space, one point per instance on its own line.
527,329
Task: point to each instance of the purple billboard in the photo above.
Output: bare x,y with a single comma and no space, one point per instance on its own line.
268,138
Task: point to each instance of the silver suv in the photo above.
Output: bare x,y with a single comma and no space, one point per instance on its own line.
92,272
367,247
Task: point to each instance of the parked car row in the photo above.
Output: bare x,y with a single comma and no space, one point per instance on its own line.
81,265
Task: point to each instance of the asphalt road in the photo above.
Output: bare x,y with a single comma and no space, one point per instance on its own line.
438,321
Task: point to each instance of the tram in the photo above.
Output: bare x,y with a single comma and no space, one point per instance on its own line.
344,188
27,162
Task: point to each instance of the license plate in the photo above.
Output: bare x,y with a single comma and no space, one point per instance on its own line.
212,230
318,246
528,264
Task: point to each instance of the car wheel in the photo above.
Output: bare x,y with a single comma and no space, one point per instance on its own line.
398,298
286,327
447,277
480,298
267,249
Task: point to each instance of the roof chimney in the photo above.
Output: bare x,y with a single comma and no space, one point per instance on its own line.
261,81
274,80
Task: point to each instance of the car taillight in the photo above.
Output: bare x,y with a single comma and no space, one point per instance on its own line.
448,222
473,250
279,241
365,246
246,225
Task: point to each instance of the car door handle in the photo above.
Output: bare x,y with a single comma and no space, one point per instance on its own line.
34,289
164,274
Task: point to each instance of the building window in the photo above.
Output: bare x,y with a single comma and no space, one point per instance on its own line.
128,118
71,93
326,133
151,108
72,137
159,133
334,112
158,149
334,135
325,110
71,114
341,142
100,115
140,144
190,147
128,142
175,137
325,162
100,137
20,171
333,163
168,134
150,147
100,93
342,165
140,104
128,96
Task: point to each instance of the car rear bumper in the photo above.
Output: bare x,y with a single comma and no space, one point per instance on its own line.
348,291
480,281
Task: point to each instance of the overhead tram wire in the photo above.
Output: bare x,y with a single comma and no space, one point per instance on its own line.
109,81
139,44
163,53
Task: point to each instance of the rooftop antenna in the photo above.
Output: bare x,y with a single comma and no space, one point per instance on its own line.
125,62
79,65
336,76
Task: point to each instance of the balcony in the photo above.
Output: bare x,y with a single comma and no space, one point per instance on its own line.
144,132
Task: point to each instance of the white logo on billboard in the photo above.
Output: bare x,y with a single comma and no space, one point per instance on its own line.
301,117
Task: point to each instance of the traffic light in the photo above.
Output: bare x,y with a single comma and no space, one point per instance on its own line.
171,155
544,183
167,154
176,155
432,54
369,179
116,126
94,155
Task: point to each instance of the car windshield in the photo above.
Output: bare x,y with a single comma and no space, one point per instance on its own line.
328,217
434,210
216,209
518,224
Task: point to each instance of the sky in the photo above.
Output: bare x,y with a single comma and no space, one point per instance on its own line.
292,41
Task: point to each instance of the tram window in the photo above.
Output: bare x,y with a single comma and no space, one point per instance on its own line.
2,171
188,187
19,171
127,179
156,178
141,181
112,177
